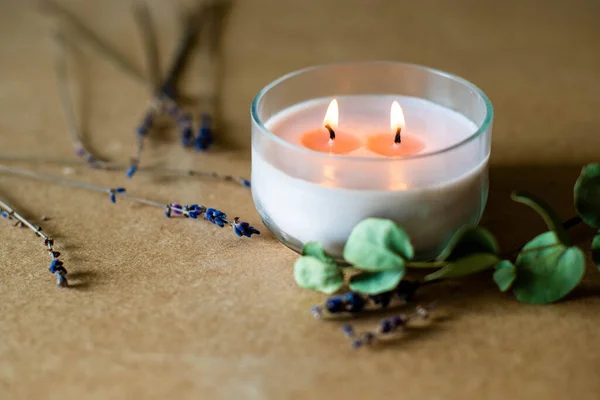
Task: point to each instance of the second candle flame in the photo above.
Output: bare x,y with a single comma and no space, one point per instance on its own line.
396,117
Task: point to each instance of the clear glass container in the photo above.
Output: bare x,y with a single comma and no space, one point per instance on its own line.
303,195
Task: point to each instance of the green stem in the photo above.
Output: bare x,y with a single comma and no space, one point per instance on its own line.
426,264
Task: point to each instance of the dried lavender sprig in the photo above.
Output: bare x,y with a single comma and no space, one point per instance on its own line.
386,326
165,91
212,215
119,167
56,265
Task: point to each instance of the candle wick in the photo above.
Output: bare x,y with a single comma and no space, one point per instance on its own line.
398,139
331,132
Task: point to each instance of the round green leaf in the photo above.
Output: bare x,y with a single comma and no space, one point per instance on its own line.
505,275
468,265
587,195
316,250
596,250
378,245
550,216
547,270
376,282
312,273
469,240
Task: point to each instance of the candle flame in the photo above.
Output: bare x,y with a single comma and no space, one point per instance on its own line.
396,117
332,114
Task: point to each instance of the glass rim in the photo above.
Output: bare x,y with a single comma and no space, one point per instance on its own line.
489,112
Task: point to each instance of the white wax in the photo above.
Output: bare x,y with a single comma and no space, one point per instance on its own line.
304,196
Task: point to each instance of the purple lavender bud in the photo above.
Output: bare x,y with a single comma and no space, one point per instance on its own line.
187,136
4,214
173,110
246,183
120,190
382,299
147,123
354,301
398,321
242,228
386,326
131,171
168,211
176,208
61,281
113,198
334,304
80,151
348,330
205,136
216,217
54,265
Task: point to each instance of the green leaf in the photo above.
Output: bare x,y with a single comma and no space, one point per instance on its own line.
547,270
468,265
312,273
596,250
587,195
378,245
316,250
505,275
469,240
376,282
550,216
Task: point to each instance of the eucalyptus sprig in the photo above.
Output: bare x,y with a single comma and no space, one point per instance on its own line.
545,270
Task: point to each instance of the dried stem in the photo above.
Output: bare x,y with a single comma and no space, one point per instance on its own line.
56,266
143,18
88,35
60,69
119,167
209,102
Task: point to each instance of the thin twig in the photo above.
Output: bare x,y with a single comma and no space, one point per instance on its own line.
60,69
119,167
144,22
56,266
88,35
208,107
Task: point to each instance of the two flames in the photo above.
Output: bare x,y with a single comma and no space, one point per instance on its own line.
396,116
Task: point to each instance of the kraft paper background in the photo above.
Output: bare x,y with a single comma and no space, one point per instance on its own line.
171,308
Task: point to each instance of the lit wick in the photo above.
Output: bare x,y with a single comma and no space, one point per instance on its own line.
331,132
331,119
396,121
398,139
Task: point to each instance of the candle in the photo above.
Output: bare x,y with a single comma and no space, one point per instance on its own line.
432,181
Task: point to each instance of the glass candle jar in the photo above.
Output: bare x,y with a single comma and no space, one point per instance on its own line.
305,195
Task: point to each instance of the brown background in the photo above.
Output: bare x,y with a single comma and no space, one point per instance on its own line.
180,309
